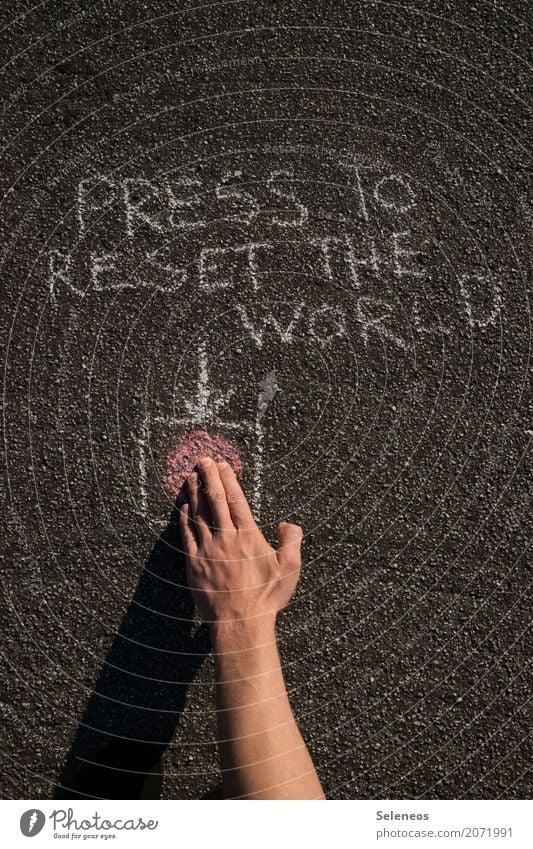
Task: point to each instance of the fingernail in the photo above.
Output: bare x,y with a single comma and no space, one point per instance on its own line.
205,461
222,464
193,477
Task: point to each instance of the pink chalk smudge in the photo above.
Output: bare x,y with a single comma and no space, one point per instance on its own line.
180,462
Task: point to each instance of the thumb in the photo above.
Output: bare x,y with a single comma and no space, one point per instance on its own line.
289,544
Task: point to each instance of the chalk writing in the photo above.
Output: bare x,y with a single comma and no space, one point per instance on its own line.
388,192
256,331
205,410
482,299
348,260
139,195
243,206
268,389
221,268
371,314
60,273
184,210
401,254
289,219
326,323
335,247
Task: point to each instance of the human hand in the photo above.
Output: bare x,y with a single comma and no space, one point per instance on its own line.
234,574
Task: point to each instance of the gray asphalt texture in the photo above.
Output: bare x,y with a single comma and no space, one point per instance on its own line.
365,168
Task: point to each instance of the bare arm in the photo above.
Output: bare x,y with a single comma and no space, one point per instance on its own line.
240,583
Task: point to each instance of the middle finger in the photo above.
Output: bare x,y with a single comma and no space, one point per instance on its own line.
216,494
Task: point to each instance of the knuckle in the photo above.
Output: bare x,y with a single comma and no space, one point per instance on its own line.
214,493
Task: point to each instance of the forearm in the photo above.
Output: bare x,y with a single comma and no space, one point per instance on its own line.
262,752
239,584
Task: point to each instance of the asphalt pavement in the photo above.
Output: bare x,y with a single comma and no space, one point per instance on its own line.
297,233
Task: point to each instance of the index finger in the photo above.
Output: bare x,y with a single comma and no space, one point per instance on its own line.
238,506
215,494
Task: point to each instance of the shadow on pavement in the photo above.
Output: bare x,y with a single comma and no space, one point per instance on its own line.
136,704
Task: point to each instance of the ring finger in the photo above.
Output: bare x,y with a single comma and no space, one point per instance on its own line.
199,508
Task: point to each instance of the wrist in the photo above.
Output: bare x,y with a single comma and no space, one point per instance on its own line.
236,635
